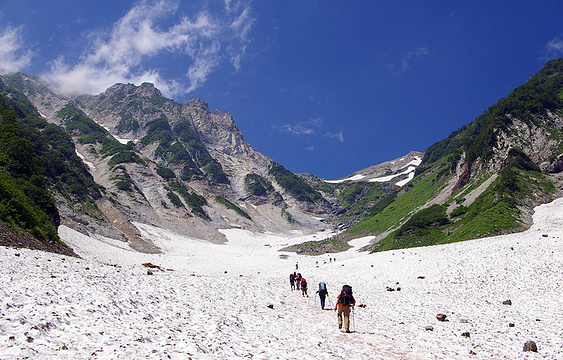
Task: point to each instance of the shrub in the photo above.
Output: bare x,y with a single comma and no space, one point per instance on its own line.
257,185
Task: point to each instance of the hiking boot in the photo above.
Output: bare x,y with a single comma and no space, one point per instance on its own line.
348,331
340,326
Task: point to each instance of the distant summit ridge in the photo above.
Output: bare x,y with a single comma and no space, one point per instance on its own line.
400,171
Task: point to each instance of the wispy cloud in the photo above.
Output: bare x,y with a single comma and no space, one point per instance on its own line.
416,53
201,41
13,55
339,136
308,127
554,48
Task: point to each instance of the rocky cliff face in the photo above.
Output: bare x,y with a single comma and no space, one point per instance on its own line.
177,166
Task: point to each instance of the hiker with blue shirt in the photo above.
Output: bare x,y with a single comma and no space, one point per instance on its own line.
323,292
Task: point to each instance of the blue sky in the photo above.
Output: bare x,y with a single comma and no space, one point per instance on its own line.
324,87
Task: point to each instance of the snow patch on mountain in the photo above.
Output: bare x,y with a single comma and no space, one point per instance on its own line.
388,171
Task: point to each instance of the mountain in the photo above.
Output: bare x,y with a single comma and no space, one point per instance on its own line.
483,179
109,164
150,160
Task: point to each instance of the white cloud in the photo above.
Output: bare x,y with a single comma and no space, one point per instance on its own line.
416,53
554,48
339,136
13,56
119,56
310,127
307,127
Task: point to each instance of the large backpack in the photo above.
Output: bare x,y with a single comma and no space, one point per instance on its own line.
322,286
346,295
303,283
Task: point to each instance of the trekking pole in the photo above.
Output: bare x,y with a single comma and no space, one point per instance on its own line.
353,319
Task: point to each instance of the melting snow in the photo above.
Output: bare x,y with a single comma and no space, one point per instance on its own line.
233,300
352,178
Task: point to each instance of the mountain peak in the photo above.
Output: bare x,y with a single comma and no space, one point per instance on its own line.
146,89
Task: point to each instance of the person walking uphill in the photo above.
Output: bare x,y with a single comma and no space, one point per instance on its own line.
292,280
323,292
304,287
298,280
344,302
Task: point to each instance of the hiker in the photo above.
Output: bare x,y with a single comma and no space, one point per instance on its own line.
344,302
292,280
304,287
298,280
297,266
323,292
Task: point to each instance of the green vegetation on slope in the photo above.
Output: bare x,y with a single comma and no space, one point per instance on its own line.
257,185
36,157
496,210
229,205
179,145
194,200
298,188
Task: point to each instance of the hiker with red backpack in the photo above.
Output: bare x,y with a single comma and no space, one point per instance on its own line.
323,292
344,302
304,287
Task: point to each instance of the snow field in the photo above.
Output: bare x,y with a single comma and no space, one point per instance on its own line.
215,302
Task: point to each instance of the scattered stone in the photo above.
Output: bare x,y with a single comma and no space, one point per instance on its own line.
149,272
362,305
511,325
421,277
390,288
271,306
530,346
17,254
471,352
544,235
466,334
429,328
464,321
152,266
399,288
441,317
507,302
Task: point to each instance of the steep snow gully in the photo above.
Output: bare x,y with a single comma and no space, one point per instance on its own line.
233,300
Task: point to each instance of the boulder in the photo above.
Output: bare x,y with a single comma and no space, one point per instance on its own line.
530,346
441,317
